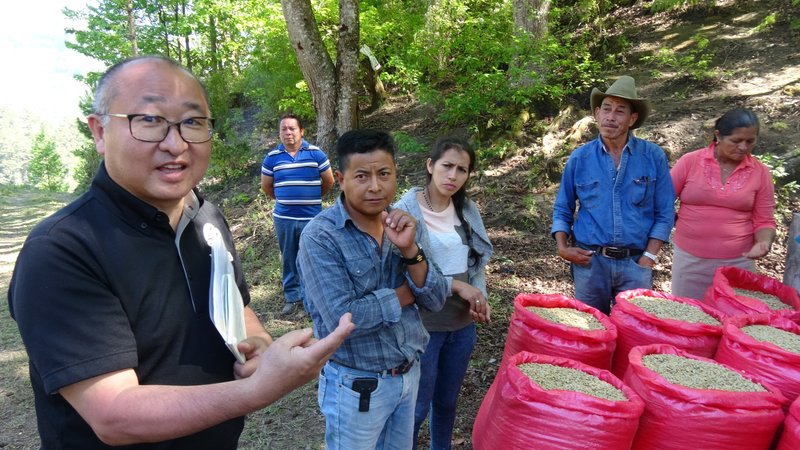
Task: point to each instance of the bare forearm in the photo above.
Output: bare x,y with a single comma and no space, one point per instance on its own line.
254,326
765,236
158,413
418,271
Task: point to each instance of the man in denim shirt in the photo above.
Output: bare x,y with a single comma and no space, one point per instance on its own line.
627,202
359,256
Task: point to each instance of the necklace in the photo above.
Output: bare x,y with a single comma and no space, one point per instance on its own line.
427,199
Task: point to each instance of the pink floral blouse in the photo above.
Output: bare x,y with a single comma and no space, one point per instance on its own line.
717,220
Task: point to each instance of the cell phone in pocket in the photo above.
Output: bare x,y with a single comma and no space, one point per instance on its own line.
364,387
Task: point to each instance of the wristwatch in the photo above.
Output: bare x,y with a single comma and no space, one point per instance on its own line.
650,255
416,259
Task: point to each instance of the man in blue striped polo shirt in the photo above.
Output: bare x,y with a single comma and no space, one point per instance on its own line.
296,175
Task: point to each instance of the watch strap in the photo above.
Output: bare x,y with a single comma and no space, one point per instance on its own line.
416,259
652,256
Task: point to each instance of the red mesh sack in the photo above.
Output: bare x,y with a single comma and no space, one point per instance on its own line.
679,418
721,296
531,333
637,327
790,438
765,360
517,413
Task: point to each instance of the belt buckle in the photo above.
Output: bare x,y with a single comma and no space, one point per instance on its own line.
614,252
402,368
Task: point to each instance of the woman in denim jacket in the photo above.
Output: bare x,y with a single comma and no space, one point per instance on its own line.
455,239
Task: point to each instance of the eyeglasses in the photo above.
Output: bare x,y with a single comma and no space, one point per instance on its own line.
150,128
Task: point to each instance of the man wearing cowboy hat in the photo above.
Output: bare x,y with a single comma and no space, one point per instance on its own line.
626,199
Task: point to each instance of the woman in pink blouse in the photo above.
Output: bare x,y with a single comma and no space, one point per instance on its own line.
727,204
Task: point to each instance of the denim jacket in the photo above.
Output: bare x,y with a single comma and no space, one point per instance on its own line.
622,206
480,239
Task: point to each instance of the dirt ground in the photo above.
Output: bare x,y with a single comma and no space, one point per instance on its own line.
756,70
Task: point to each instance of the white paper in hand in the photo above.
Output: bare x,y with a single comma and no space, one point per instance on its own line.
225,305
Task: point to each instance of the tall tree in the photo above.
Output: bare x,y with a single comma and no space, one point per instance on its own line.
333,87
530,21
132,28
45,168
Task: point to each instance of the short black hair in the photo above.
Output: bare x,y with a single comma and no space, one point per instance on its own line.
362,141
291,116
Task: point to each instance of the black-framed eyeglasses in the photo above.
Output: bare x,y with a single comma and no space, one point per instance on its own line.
151,128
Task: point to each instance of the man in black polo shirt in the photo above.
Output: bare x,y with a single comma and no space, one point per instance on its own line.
111,294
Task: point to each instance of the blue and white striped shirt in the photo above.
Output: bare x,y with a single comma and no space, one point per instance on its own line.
297,181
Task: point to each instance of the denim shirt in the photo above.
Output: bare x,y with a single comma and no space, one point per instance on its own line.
622,206
344,270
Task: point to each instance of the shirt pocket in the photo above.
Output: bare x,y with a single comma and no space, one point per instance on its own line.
588,193
362,272
642,191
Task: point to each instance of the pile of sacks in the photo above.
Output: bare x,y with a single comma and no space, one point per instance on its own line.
661,372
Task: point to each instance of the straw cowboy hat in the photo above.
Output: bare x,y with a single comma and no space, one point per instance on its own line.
625,88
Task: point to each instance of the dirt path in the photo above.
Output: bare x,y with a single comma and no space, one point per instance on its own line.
19,212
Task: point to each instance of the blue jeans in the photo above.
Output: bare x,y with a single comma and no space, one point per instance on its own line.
389,423
598,282
288,233
444,365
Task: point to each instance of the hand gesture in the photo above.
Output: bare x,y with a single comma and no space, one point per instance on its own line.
296,358
479,308
576,255
759,250
400,228
251,348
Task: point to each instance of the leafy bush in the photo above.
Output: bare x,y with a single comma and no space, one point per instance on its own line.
695,63
667,5
230,155
408,144
784,192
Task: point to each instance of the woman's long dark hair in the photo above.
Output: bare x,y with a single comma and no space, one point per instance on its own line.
460,196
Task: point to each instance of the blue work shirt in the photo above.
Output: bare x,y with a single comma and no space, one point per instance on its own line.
621,207
344,270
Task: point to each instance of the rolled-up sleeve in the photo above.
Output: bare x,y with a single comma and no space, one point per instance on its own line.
764,203
664,207
434,292
564,206
332,293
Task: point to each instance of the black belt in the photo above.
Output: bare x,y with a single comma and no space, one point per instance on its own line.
401,369
612,252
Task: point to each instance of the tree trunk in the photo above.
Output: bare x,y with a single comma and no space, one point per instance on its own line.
530,17
162,21
333,88
132,28
372,82
186,41
347,66
530,22
212,37
791,274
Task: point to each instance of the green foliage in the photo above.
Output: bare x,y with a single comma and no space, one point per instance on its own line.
667,5
784,192
45,168
408,144
694,63
230,156
766,23
298,100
